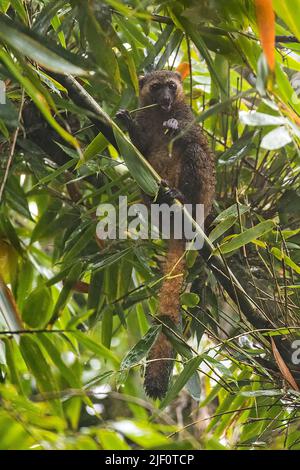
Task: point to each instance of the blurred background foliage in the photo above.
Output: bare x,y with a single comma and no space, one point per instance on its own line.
73,378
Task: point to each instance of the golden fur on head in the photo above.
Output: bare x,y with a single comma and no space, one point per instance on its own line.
161,77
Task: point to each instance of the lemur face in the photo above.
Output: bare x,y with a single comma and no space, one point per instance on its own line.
162,87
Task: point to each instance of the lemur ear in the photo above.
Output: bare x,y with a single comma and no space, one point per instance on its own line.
141,81
178,74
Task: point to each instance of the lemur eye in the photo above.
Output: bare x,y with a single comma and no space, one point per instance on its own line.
155,86
172,85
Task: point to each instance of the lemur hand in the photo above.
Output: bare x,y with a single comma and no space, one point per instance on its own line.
171,125
123,115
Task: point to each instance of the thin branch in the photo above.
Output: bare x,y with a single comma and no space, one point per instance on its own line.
32,332
286,39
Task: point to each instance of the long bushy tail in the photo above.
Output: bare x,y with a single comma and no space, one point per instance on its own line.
159,369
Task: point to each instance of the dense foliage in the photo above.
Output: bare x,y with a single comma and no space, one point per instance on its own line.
76,312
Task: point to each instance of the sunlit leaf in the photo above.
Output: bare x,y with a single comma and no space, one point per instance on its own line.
51,57
188,370
247,236
276,139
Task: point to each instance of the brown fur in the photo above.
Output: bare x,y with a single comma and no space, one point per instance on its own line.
189,169
158,372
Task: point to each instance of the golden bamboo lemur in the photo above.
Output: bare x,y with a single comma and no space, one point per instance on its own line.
190,171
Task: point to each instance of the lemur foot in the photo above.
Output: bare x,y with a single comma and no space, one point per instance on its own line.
167,195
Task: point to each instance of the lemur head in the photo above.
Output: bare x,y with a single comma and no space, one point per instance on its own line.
162,87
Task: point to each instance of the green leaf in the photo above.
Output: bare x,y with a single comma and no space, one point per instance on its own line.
3,129
56,24
98,144
25,280
16,196
133,32
9,114
43,225
233,211
190,299
20,9
55,354
263,73
63,297
288,11
10,233
37,97
173,44
107,326
189,369
137,166
102,49
254,118
240,148
38,366
140,350
247,236
13,357
217,108
96,348
82,241
40,50
218,365
41,23
221,228
287,260
193,386
154,51
276,139
141,433
79,319
4,5
110,440
37,307
185,25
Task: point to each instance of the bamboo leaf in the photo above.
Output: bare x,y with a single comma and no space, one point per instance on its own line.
247,236
276,139
287,260
51,56
55,354
221,228
96,146
37,307
37,98
38,366
140,350
254,118
287,10
189,369
96,348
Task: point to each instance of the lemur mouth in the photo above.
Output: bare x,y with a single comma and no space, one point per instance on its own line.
166,107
